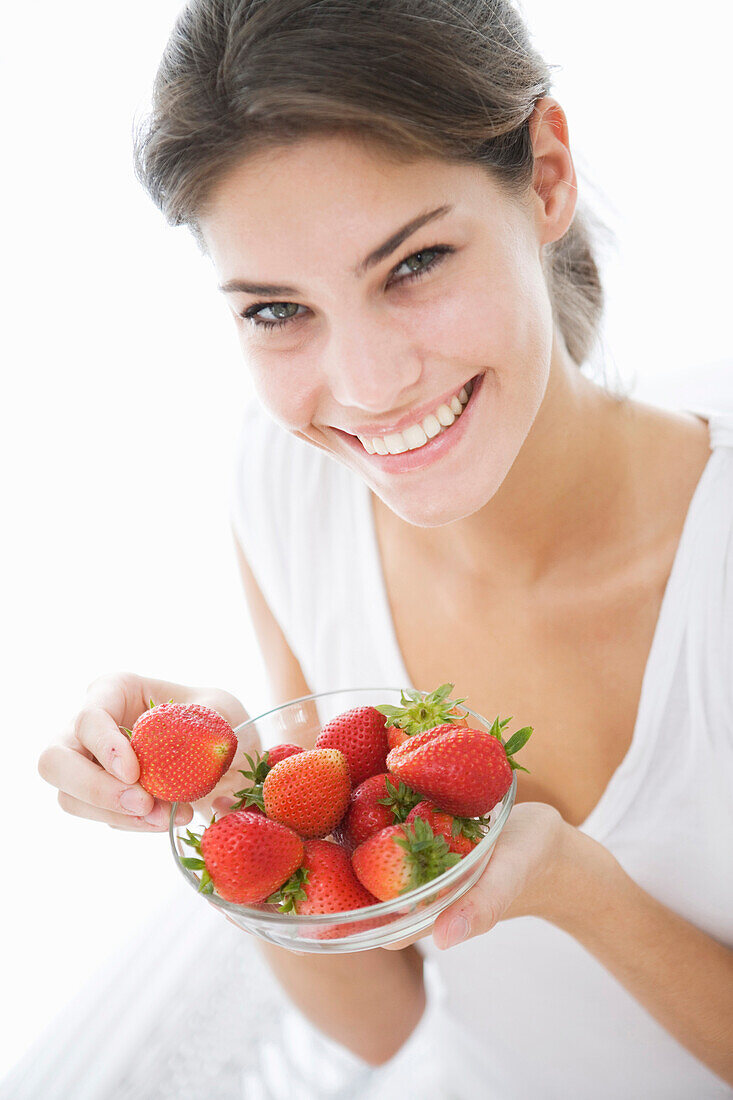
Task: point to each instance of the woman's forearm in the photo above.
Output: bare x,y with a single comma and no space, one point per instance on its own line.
368,1001
682,976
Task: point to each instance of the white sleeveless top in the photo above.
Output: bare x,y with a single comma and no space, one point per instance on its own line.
525,1011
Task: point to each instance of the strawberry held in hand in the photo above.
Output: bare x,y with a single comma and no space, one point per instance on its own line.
361,736
309,791
183,750
401,858
463,770
419,712
244,856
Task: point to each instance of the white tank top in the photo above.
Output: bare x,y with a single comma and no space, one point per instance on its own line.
525,1011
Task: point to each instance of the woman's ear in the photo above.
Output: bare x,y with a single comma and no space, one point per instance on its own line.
554,183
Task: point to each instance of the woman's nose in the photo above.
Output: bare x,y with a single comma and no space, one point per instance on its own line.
371,367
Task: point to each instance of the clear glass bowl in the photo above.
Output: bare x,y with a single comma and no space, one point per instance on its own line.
300,721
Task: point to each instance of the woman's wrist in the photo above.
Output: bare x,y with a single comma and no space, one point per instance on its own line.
581,880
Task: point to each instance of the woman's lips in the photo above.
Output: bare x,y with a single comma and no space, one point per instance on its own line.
430,451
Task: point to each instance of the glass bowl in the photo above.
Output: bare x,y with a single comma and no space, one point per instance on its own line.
300,721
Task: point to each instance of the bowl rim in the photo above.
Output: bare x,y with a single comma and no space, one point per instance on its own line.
383,908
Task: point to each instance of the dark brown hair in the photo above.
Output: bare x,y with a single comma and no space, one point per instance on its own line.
451,78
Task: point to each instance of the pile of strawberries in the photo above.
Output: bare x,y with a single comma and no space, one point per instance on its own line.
387,800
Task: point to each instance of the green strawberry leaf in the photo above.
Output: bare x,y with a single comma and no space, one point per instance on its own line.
400,800
193,840
291,891
515,742
192,863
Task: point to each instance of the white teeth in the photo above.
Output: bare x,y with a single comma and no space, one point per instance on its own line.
414,436
395,444
431,425
417,435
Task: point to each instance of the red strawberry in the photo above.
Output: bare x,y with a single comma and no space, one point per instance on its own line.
325,883
464,771
461,833
309,791
360,735
183,750
401,858
376,803
259,769
245,856
421,711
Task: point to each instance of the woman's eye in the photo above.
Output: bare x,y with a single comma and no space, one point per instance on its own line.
421,266
419,263
278,308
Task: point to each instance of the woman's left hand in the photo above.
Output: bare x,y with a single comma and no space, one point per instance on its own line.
522,878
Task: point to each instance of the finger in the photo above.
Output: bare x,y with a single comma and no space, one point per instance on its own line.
96,730
223,805
400,945
77,808
86,781
483,905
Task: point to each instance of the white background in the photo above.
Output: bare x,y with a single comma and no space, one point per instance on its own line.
123,387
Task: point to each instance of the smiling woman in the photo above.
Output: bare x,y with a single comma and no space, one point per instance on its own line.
429,488
393,83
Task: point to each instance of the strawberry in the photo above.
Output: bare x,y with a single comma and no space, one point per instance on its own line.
361,737
244,856
461,833
420,711
401,858
325,883
259,769
309,791
183,750
376,803
463,770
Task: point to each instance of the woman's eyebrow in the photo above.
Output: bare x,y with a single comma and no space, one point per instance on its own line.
243,286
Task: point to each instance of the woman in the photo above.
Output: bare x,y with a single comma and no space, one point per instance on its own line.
430,489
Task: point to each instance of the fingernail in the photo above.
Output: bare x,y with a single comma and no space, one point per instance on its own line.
457,931
157,816
133,801
182,816
118,768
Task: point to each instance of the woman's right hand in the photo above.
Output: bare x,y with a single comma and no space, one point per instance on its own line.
94,766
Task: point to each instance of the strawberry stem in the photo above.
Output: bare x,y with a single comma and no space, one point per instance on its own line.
400,800
428,855
259,769
291,891
206,886
421,711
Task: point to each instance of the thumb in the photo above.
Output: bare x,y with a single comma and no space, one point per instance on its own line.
483,905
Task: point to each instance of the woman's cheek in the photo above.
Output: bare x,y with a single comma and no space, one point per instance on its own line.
287,386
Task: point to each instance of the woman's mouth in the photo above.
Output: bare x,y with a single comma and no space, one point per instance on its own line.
421,443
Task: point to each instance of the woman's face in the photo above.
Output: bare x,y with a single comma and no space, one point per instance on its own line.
344,349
